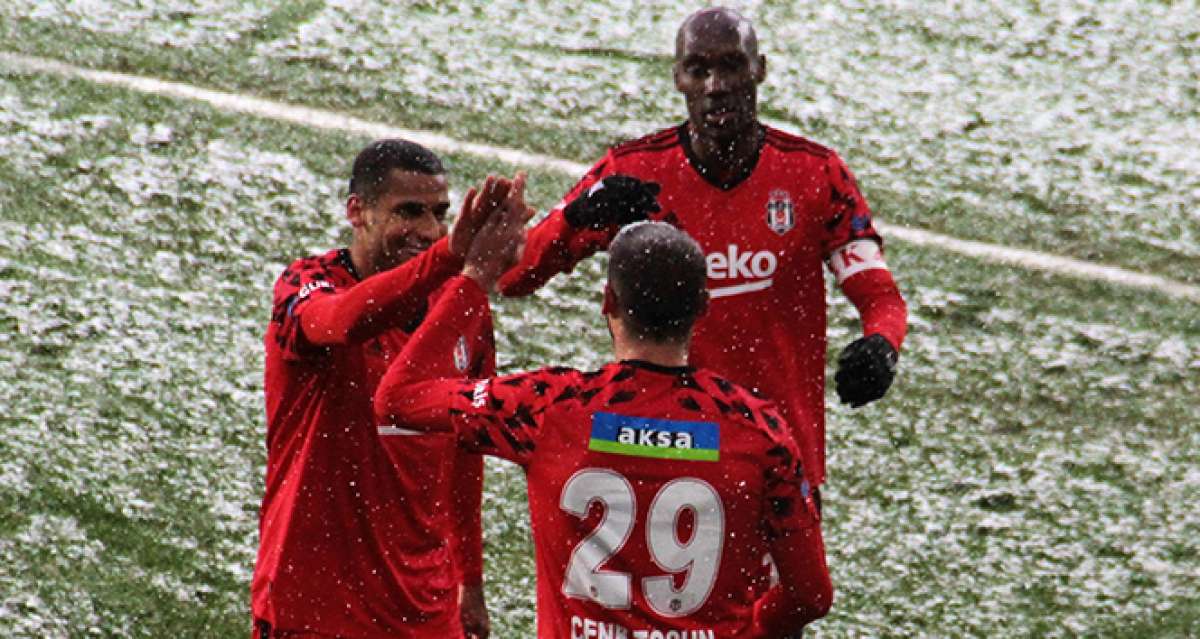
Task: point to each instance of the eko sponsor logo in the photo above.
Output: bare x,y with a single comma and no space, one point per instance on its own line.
737,264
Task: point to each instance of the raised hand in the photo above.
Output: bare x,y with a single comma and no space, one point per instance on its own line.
616,200
477,206
498,242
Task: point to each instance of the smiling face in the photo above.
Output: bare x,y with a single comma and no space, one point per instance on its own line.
407,216
718,70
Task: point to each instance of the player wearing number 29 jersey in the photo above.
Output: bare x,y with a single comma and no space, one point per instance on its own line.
654,491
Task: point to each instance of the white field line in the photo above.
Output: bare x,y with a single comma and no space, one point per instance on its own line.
322,119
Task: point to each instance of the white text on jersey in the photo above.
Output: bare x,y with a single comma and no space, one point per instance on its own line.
735,263
584,628
656,438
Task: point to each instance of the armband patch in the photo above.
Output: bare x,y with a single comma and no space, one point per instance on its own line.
856,257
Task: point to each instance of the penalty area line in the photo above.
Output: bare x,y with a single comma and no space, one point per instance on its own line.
333,121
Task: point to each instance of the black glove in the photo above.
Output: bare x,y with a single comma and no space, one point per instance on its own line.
865,370
616,200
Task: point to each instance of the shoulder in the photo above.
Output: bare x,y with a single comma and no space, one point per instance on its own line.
586,389
333,266
790,143
552,383
741,403
330,262
656,142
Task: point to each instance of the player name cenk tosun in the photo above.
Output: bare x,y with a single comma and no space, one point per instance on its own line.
661,438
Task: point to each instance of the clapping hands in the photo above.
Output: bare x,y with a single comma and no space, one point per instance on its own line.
498,216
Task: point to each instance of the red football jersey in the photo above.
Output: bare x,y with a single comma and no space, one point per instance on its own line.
654,492
765,239
351,543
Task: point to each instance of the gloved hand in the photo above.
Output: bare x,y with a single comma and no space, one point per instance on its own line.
616,200
866,369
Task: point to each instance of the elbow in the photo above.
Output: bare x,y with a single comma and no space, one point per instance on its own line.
384,413
823,601
814,600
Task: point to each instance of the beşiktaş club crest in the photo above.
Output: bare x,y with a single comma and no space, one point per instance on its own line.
462,356
781,215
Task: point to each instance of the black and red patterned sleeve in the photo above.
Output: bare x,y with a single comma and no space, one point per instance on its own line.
319,314
789,505
301,283
792,525
553,246
499,416
494,416
847,217
854,253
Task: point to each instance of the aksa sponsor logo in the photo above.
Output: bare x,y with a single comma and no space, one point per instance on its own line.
737,264
658,438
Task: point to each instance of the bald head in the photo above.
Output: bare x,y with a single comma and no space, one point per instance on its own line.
657,275
716,22
718,69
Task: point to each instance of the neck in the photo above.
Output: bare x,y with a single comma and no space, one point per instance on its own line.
727,159
660,353
362,266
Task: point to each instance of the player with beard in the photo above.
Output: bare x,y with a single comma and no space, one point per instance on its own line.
358,538
768,208
655,488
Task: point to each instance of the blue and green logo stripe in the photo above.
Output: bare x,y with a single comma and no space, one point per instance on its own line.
657,438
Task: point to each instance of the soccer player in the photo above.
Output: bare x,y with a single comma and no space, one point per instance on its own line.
655,488
353,544
768,209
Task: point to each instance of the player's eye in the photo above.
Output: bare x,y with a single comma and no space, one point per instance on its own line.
696,70
733,63
410,210
440,211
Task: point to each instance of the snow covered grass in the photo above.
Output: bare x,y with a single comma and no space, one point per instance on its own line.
1069,126
1032,473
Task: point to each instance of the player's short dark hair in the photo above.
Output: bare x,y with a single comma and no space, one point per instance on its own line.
376,161
657,274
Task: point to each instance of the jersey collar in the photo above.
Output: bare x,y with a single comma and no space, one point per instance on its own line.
343,257
658,368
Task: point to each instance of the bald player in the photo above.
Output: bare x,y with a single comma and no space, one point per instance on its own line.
770,210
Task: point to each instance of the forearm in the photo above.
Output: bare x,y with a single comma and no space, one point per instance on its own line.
880,305
551,247
389,299
804,592
407,395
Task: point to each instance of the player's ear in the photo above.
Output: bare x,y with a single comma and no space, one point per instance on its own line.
703,304
675,75
609,307
354,210
760,73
